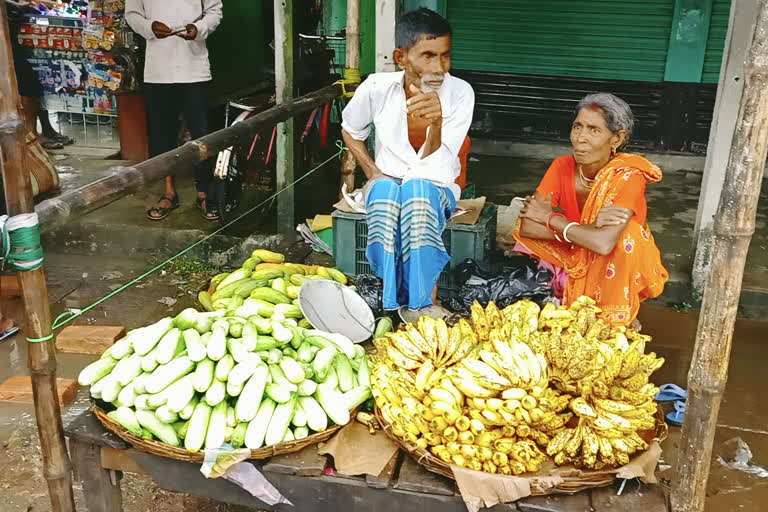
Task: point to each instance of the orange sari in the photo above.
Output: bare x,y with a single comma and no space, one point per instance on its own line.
633,271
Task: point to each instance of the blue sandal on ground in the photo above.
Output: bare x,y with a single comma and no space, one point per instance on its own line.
677,416
670,393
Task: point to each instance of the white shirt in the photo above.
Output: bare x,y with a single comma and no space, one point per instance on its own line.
172,59
380,100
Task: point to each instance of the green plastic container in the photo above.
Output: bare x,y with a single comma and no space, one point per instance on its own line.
350,236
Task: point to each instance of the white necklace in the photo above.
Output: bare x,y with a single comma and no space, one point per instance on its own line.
588,183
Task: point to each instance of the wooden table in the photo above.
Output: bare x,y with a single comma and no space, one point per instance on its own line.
99,459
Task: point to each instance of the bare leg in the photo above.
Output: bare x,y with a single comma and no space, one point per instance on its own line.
5,324
170,189
45,123
166,200
433,296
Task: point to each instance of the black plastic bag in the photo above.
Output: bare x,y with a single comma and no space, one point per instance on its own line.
515,278
370,288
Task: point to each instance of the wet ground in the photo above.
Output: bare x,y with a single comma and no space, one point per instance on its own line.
117,243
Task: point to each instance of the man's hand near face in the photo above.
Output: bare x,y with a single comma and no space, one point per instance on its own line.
425,105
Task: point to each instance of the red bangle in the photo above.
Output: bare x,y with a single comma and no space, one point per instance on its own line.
549,219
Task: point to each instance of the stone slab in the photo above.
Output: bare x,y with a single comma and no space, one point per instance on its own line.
635,497
415,477
19,389
556,503
305,462
88,339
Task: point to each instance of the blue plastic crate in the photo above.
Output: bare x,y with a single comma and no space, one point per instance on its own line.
350,236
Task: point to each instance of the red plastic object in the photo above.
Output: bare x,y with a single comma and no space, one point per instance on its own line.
324,126
271,145
253,145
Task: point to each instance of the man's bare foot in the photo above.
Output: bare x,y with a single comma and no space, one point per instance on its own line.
5,324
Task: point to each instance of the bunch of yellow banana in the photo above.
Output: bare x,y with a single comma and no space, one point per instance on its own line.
430,341
484,393
594,448
504,456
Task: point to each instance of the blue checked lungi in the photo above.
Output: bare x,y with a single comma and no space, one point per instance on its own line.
405,245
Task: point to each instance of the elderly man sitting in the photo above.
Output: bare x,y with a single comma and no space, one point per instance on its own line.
422,115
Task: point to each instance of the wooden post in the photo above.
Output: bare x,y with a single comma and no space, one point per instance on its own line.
285,132
733,228
348,163
42,356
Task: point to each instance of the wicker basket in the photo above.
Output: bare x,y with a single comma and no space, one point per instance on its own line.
570,484
173,452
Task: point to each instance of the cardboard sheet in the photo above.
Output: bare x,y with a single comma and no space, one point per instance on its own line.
356,452
468,210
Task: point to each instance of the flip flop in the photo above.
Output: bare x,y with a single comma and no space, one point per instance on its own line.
63,139
211,213
671,392
162,210
677,416
52,144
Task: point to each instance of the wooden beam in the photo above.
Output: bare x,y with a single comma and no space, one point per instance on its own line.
41,356
286,157
733,229
101,487
386,17
56,211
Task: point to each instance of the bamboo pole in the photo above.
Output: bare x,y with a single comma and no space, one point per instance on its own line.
41,356
57,210
348,163
285,146
733,228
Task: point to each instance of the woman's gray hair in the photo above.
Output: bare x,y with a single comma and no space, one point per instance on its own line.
617,114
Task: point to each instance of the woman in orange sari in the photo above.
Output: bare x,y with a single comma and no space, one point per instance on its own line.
587,220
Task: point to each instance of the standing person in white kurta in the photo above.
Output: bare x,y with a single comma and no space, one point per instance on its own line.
176,75
422,115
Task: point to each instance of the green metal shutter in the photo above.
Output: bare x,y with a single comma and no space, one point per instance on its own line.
610,39
718,28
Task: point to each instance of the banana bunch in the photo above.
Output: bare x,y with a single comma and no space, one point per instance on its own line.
505,456
431,342
590,447
487,393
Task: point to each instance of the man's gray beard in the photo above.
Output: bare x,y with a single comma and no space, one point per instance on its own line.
426,87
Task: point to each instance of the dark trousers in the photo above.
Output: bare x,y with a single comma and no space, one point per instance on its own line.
164,104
